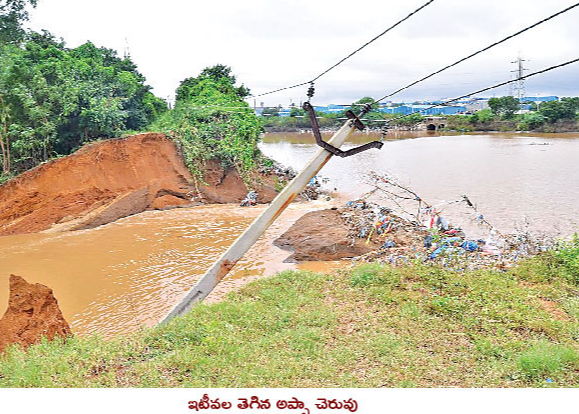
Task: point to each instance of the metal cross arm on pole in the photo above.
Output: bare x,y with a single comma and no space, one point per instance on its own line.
244,242
354,120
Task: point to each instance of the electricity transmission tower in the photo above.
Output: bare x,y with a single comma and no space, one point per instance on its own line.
517,89
127,51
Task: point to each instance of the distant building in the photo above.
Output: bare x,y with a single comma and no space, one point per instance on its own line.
467,105
424,110
477,104
539,98
331,108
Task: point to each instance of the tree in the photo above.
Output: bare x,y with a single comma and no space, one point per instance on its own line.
295,111
505,106
12,14
357,106
531,121
411,119
216,73
555,110
484,115
55,99
211,121
571,106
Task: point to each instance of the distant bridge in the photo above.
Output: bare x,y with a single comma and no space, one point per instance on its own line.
432,123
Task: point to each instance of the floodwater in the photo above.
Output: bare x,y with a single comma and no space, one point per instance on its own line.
512,178
119,277
116,278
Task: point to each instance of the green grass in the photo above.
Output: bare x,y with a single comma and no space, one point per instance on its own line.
371,326
546,358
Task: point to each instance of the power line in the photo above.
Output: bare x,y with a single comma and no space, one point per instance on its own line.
478,52
374,39
446,102
347,57
488,88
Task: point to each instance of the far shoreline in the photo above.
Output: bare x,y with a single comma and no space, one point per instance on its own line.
437,131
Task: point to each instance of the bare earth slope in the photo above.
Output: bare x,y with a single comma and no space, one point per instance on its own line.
108,180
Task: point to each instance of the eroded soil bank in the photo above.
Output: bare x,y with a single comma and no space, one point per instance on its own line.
32,313
116,178
115,275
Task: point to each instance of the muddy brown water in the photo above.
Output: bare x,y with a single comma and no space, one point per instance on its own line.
116,278
512,177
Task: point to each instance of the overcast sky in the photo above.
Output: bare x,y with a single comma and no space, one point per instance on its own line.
275,43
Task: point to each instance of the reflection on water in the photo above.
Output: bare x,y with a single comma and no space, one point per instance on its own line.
507,175
118,277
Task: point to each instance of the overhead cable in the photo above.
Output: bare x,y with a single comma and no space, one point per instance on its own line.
489,88
478,52
371,41
347,57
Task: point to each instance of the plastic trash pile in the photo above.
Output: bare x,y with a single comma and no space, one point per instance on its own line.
313,190
434,240
249,200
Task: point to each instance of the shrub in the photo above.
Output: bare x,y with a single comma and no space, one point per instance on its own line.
566,255
530,121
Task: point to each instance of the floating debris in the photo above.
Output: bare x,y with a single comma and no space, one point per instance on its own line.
249,200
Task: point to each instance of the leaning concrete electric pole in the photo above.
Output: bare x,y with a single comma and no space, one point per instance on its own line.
244,242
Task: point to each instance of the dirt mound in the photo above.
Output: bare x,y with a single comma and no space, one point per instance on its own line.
227,186
32,313
322,235
111,179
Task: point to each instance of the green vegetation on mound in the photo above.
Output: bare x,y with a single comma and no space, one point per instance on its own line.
372,326
211,120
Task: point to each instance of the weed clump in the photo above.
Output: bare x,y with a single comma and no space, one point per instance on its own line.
545,358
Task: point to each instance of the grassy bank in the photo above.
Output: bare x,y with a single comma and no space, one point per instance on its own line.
371,326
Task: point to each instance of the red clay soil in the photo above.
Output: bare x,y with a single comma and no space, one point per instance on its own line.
32,313
111,179
321,235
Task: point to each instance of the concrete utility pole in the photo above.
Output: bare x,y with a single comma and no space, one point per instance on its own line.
244,242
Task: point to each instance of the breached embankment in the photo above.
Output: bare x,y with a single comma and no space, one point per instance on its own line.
105,181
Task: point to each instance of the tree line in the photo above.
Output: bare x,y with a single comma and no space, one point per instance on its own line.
298,118
504,114
54,99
